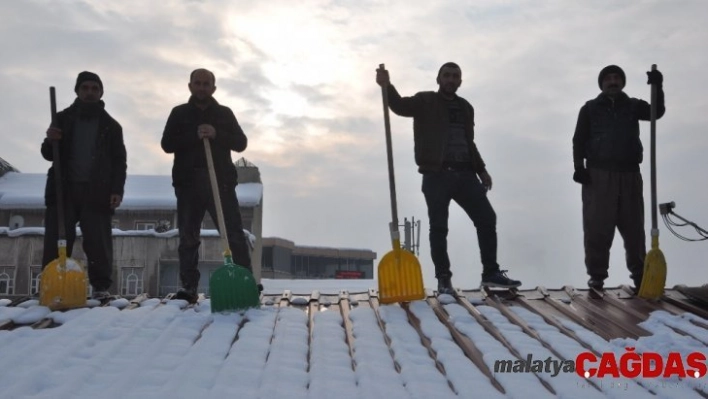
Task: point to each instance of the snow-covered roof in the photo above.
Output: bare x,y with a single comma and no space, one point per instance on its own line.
142,192
28,231
316,341
6,167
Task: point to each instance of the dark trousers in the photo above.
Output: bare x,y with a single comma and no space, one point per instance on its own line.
192,203
467,191
613,200
95,231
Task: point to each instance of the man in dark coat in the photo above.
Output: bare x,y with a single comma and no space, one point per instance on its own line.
607,152
93,169
188,124
452,169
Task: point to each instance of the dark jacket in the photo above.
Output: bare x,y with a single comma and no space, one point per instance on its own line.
607,132
431,125
109,164
180,137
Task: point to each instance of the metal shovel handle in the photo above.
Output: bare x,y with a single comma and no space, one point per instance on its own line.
56,165
652,117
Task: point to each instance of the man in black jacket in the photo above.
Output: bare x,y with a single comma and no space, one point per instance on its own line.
607,152
187,126
93,163
452,169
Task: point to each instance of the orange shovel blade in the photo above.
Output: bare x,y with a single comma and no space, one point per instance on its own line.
400,277
62,285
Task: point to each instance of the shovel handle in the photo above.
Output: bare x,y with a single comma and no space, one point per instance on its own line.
217,198
652,118
389,153
56,165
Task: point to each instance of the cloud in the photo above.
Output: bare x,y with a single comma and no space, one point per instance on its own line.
300,79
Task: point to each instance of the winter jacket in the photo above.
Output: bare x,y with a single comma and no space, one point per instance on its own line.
109,163
431,123
180,137
607,132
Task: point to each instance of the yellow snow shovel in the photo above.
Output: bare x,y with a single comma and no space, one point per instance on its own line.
654,278
62,284
231,287
399,274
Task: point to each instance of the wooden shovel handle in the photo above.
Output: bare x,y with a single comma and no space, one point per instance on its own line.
217,198
389,153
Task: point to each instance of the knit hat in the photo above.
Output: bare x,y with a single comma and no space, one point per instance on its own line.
87,76
608,70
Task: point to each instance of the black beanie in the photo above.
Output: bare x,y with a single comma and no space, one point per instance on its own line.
87,76
608,70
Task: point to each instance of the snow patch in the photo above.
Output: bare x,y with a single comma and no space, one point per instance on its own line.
29,303
120,303
31,315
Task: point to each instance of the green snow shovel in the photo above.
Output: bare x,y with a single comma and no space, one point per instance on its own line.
231,286
654,277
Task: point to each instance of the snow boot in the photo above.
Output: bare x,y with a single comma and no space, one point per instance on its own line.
499,279
188,294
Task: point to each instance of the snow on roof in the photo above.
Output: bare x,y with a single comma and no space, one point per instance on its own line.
347,345
142,192
22,231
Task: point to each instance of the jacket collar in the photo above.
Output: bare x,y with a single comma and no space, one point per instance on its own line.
602,98
193,102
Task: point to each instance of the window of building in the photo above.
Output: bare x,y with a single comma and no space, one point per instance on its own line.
115,223
145,225
35,273
132,281
7,281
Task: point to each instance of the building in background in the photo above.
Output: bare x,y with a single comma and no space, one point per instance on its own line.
6,167
282,259
144,233
145,238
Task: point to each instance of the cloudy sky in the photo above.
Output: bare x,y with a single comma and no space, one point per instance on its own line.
300,79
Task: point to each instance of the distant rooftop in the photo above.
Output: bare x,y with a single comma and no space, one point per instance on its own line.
26,190
6,167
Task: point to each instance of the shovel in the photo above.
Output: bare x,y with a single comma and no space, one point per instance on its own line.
399,274
62,284
231,287
654,278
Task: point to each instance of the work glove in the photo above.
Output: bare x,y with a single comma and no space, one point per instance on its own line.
655,78
581,175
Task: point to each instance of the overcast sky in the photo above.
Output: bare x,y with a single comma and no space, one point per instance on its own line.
300,79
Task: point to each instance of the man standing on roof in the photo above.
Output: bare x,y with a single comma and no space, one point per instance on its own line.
607,152
188,124
93,171
448,159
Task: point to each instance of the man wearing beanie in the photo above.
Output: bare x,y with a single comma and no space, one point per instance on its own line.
607,152
93,170
452,169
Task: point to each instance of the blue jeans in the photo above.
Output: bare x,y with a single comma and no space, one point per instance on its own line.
467,191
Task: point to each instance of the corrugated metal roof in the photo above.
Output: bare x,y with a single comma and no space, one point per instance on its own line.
617,314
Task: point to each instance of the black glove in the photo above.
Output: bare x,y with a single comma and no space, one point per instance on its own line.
655,78
581,176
